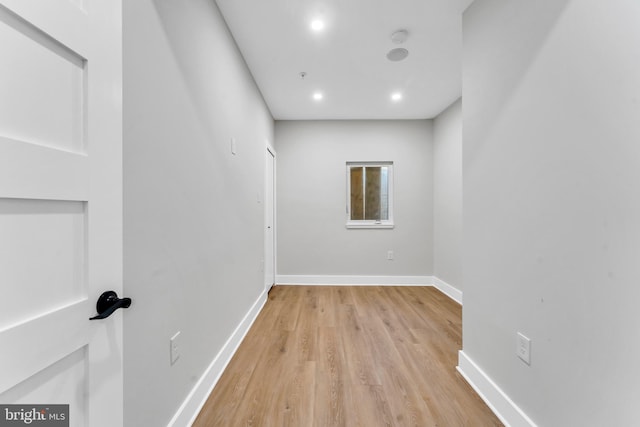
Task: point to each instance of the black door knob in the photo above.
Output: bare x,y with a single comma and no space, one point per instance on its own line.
108,303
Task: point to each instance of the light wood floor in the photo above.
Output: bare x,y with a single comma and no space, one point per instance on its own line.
349,356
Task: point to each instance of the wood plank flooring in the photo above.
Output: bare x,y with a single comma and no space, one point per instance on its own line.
349,356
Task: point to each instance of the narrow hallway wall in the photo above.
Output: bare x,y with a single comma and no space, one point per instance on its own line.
193,223
551,166
447,196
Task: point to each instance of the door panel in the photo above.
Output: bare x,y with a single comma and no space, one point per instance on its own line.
63,380
45,82
63,21
33,345
47,233
61,205
58,175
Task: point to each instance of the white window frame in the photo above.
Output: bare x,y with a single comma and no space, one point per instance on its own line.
388,223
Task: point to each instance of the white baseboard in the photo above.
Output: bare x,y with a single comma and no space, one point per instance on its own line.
501,405
190,408
329,280
453,293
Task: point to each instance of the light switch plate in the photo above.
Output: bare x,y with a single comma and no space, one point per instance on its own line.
523,348
174,347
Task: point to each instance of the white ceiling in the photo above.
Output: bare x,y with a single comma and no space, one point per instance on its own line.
347,61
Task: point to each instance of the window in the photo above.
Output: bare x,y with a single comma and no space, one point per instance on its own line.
369,195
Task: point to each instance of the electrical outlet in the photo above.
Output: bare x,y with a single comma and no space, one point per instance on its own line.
390,255
174,347
523,348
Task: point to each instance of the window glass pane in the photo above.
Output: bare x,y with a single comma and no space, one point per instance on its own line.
372,192
384,193
357,193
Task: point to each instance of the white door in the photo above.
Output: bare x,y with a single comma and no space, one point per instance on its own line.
61,206
269,204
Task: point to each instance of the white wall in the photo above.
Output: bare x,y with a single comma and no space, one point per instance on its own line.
193,224
311,198
447,194
551,204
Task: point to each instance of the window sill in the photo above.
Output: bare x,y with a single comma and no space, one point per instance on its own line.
370,225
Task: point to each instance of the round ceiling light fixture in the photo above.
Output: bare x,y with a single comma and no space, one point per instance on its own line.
396,96
400,36
318,96
317,25
397,54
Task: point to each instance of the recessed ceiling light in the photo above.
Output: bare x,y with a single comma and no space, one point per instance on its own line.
318,96
396,96
317,25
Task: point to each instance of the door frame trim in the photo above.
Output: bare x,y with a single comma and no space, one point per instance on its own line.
270,151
